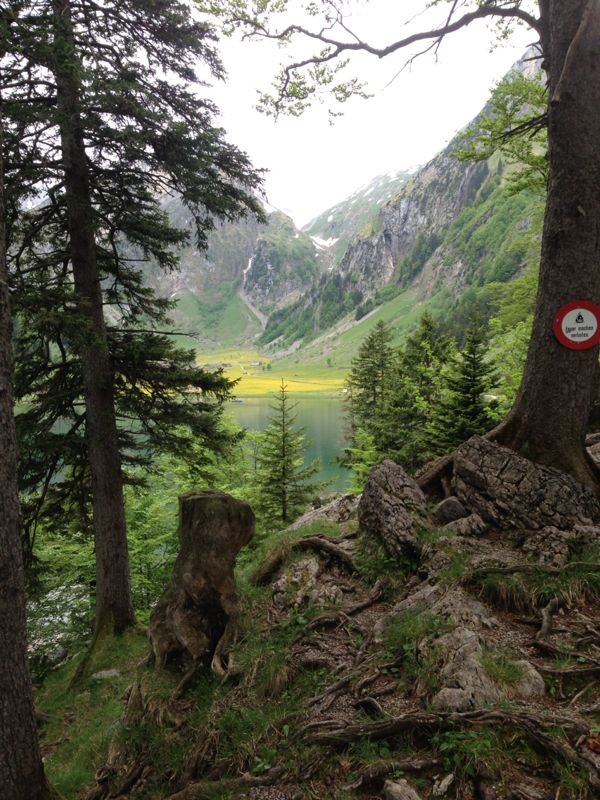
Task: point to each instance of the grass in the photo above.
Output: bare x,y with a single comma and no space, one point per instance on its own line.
402,639
529,591
83,720
500,667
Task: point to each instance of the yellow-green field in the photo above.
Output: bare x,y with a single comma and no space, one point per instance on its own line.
257,375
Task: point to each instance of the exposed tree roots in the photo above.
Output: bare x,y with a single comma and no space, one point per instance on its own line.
319,544
382,769
204,789
532,725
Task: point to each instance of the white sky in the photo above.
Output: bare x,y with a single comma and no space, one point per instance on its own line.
312,164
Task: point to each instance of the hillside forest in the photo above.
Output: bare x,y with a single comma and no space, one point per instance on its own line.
188,610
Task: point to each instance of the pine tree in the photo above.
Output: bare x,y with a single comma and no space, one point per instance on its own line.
103,120
414,389
283,485
462,411
369,378
21,766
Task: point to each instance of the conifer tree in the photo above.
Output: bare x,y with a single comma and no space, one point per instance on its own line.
415,386
103,120
283,480
21,766
462,411
369,378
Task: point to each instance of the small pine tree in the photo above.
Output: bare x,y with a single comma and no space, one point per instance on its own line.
360,456
369,377
414,389
283,486
462,411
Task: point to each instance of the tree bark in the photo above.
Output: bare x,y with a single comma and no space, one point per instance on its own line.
549,419
21,768
113,593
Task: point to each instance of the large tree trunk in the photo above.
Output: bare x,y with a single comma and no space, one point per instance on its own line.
21,768
549,419
113,594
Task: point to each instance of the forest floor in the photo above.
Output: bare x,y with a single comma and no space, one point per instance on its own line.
334,689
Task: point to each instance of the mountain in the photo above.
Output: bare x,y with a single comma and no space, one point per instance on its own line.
249,269
333,230
441,233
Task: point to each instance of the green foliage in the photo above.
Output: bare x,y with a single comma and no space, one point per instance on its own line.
579,578
467,751
462,410
146,138
84,721
282,479
415,387
369,378
515,125
404,638
361,456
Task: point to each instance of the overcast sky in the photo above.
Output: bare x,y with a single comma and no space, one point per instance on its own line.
312,164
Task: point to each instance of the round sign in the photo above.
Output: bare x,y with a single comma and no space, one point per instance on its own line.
577,325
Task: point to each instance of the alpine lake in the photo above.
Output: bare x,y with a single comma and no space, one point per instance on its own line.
324,423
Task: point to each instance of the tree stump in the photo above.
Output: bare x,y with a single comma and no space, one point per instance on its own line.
195,619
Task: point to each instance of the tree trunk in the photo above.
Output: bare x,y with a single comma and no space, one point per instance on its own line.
548,422
113,593
21,768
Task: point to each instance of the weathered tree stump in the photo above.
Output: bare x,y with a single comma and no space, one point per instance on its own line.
195,620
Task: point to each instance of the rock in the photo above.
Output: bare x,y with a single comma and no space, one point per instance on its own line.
302,585
508,491
392,509
105,675
449,510
338,510
472,525
399,790
466,685
199,604
553,547
441,787
531,684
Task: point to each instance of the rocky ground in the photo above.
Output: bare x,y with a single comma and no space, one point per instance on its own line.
400,650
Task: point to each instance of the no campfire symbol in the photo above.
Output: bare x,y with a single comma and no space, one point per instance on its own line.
577,325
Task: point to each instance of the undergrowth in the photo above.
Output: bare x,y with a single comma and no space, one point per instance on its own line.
517,591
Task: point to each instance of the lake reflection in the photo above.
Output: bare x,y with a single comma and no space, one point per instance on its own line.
324,422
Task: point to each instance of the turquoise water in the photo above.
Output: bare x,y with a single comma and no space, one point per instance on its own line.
324,423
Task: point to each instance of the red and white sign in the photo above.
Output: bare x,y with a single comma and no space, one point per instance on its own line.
577,325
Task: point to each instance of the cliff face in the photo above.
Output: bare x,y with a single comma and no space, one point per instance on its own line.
427,204
283,262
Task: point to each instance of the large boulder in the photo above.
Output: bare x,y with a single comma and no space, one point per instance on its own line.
199,603
509,491
392,509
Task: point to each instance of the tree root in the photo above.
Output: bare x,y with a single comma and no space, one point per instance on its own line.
528,569
383,769
530,724
205,789
329,620
547,618
320,544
